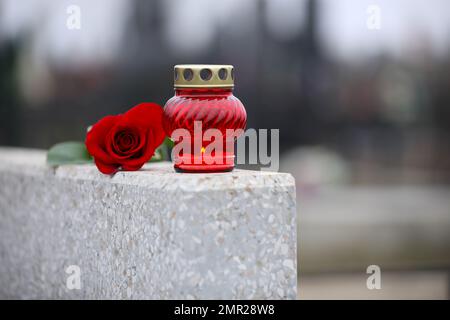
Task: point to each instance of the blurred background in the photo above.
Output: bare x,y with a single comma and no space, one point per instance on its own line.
360,91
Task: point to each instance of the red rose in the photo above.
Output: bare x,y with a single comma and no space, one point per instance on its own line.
126,141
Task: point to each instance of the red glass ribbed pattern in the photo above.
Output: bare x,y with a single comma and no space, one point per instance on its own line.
215,108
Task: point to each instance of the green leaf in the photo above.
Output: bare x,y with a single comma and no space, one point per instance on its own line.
168,143
162,153
72,152
158,155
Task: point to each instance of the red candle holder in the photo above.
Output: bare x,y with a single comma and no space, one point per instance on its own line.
204,100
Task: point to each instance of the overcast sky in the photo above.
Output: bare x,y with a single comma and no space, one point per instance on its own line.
404,25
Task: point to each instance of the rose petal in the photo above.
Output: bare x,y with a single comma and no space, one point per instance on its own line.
138,160
112,148
127,167
143,113
147,115
127,141
95,139
106,168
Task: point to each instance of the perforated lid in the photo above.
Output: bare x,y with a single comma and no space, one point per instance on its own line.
203,76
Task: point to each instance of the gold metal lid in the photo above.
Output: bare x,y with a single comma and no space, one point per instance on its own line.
203,76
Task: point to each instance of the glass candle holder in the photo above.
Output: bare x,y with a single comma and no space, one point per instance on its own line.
204,118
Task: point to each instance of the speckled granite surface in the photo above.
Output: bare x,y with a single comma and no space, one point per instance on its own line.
151,234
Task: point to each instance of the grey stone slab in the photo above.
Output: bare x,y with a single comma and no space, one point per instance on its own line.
150,234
